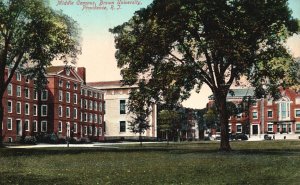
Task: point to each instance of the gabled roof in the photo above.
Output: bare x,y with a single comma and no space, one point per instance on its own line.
55,69
238,93
61,71
110,85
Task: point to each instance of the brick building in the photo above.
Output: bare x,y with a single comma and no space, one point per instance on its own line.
117,117
266,116
67,107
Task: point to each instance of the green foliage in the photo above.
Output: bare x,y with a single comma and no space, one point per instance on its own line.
167,119
177,45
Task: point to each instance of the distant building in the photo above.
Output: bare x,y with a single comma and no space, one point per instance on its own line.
117,117
67,107
266,116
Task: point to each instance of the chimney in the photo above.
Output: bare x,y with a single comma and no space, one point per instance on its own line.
81,73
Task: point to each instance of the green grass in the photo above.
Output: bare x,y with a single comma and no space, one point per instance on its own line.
264,162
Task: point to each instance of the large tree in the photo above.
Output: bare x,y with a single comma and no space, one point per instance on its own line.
31,36
178,44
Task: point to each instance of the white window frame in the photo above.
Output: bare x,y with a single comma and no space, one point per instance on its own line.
229,128
27,120
10,89
268,113
255,111
85,130
95,118
44,92
239,124
35,95
28,93
60,111
20,106
42,108
27,111
27,80
75,128
68,85
10,124
268,127
100,131
90,130
19,91
95,131
35,129
100,119
18,76
296,113
60,95
90,117
75,86
35,109
11,106
68,99
60,83
95,106
75,113
75,98
297,131
68,112
60,126
42,124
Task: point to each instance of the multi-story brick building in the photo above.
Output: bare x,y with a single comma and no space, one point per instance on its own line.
267,116
117,117
58,109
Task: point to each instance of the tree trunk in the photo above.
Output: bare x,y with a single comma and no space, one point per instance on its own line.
140,138
220,99
1,121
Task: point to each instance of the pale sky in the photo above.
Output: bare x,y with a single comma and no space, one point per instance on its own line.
98,51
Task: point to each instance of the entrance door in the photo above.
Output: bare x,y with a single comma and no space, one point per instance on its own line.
254,129
68,129
19,127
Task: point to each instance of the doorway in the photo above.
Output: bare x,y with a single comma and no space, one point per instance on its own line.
19,127
254,129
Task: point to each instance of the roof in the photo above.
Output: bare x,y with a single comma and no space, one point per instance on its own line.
110,85
238,93
54,69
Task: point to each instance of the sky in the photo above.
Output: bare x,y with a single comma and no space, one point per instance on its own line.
98,48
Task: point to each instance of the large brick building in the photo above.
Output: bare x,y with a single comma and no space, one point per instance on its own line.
67,107
117,117
280,118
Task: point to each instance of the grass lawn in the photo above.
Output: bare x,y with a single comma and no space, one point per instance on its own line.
263,162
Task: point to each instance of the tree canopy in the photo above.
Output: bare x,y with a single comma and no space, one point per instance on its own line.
32,35
180,44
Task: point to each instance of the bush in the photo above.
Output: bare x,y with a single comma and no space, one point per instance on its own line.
31,140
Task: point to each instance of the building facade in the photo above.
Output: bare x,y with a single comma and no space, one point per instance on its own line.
280,118
59,109
117,117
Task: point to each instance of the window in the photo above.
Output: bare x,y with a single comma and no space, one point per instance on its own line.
297,100
85,92
298,127
100,131
297,113
90,130
239,116
100,107
44,126
85,117
95,118
270,127
90,93
68,85
254,115
44,95
67,112
35,95
85,130
239,128
9,106
18,108
18,75
75,98
18,91
122,126
75,113
95,95
27,109
99,96
75,86
270,114
60,95
35,110
283,109
95,131
59,126
60,83
95,106
85,103
26,125
278,128
9,90
91,118
229,128
35,126
100,119
254,103
44,110
67,97
60,111
91,105
9,124
27,93
122,107
75,128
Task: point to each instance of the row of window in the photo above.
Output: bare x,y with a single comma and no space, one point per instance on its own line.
283,113
239,128
91,105
92,118
92,131
68,84
89,93
44,108
44,94
26,126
